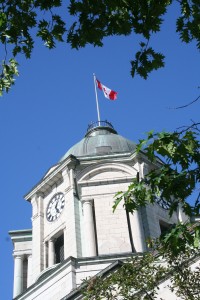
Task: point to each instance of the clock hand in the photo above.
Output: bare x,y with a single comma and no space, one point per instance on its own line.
56,207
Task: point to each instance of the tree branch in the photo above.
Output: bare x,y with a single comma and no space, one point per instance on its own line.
186,105
193,126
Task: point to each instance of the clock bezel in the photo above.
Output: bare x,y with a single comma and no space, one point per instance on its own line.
50,218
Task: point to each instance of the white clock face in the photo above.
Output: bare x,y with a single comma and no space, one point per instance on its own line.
55,207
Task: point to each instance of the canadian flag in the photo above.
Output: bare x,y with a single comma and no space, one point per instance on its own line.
108,93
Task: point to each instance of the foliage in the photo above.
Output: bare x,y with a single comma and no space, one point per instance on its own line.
99,19
176,181
141,276
22,21
137,276
170,262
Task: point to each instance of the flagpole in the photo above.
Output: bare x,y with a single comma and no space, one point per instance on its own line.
97,102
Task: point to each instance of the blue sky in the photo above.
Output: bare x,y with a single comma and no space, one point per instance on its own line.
53,101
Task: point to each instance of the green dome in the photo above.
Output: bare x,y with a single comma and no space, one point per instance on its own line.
101,139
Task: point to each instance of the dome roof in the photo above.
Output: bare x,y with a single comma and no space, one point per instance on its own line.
100,139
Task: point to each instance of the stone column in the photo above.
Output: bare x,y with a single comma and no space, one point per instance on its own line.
29,275
51,253
18,276
137,231
89,228
182,217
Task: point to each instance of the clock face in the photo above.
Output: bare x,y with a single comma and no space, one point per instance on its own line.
55,207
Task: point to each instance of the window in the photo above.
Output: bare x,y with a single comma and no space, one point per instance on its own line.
59,249
164,227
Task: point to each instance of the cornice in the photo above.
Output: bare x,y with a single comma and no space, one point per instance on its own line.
50,179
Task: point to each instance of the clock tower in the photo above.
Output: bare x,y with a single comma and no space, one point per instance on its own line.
75,233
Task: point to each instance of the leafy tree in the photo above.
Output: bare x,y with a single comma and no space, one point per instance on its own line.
21,22
141,277
171,256
177,181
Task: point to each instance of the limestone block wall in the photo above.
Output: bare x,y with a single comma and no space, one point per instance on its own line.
52,287
153,216
67,224
112,229
100,184
66,221
58,281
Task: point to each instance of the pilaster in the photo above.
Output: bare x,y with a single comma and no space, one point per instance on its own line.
18,275
71,243
38,235
89,227
72,236
51,253
29,279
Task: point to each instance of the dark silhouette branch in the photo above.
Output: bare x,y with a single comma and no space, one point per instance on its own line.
195,126
186,105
